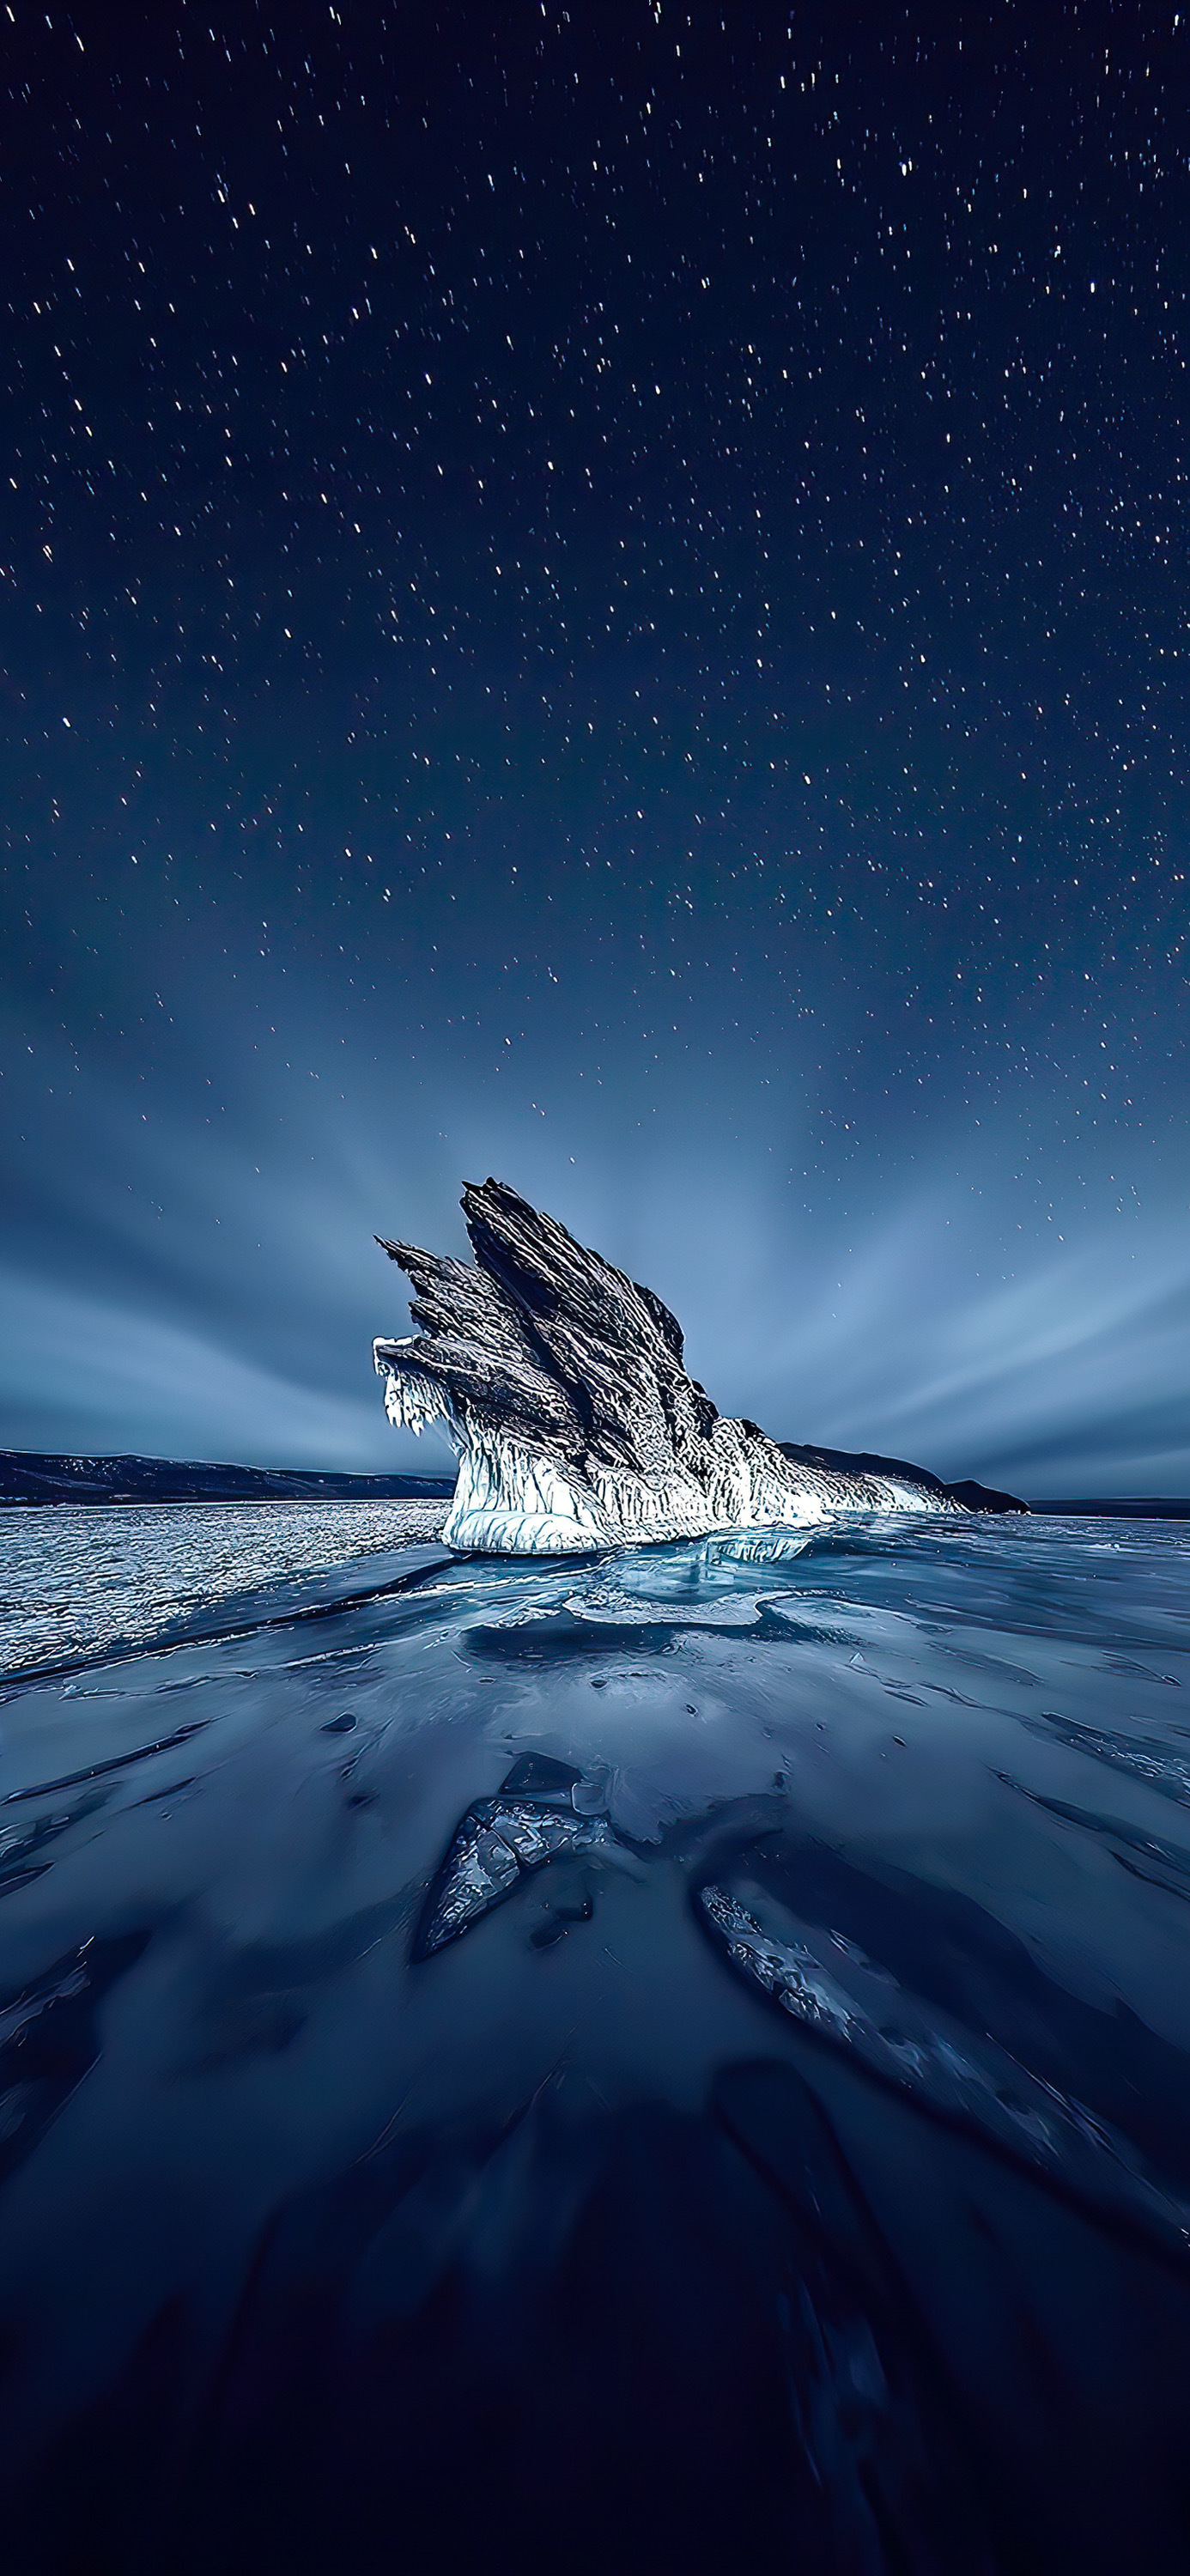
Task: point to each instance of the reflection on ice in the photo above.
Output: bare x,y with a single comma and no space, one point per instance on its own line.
763,1547
1148,1757
1150,1856
49,2038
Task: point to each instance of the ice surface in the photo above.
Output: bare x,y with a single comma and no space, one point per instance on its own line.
872,2229
75,1580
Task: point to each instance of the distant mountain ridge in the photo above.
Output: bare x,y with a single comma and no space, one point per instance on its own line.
865,1462
36,1476
1121,1507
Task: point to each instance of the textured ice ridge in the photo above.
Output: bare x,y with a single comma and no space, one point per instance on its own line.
501,1841
561,1386
829,1986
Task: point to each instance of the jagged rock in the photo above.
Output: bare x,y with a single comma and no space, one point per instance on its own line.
562,1389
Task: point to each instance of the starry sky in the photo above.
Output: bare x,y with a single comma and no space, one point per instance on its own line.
599,594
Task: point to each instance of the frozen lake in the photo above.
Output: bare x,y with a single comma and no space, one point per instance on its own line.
76,1580
674,2062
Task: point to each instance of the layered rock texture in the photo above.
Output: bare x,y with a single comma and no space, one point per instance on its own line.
561,1386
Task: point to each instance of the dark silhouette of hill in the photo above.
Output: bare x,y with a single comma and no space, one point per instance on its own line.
32,1476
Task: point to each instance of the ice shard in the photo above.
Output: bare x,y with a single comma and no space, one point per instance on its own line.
561,1386
825,1983
500,1842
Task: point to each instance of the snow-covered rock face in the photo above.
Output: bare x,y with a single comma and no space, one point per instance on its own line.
562,1389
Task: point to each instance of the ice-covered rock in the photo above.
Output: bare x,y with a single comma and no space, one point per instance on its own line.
561,1386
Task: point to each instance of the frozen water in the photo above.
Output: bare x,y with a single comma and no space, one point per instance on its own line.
716,2020
75,1580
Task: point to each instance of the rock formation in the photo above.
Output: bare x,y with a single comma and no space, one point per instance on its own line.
561,1386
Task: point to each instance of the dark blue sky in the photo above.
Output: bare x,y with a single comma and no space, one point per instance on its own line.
600,595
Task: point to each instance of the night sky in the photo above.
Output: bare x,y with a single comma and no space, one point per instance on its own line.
599,594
